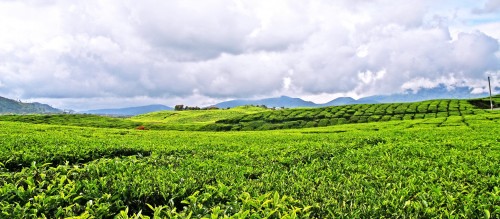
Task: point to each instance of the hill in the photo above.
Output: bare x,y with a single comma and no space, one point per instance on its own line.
192,119
8,106
282,101
359,113
340,101
129,111
162,120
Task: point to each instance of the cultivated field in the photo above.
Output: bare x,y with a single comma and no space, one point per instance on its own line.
417,160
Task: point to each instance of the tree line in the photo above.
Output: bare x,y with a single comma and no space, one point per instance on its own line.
182,107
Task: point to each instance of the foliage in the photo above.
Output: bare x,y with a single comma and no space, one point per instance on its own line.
484,103
421,168
362,113
84,120
191,119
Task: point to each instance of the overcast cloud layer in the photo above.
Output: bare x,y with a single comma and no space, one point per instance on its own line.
94,54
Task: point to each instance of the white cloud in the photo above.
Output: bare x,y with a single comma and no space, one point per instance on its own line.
490,6
287,82
98,52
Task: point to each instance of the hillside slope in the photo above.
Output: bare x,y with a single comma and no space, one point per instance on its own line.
193,119
360,113
8,106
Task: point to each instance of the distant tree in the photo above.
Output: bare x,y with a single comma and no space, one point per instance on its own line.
182,107
210,108
179,107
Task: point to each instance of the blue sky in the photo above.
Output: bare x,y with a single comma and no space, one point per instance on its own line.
101,54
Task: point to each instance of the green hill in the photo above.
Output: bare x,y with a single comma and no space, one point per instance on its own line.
8,106
361,113
193,119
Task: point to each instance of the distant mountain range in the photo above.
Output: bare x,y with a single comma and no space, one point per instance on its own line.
439,92
16,107
289,102
129,111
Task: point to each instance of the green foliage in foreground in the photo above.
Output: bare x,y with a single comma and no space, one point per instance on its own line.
361,113
422,168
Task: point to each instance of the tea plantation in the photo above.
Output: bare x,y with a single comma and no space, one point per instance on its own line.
362,113
417,160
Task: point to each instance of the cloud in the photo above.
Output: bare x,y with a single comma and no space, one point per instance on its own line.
490,6
98,51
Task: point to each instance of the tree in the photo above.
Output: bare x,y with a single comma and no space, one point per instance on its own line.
179,107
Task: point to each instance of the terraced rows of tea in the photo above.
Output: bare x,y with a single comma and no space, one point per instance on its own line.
435,166
362,113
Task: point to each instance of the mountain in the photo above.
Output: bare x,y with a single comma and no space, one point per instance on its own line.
340,101
439,92
129,111
282,101
16,107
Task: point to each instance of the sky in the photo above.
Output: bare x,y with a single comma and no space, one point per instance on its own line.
88,54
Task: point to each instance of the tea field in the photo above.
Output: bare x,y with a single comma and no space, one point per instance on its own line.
163,120
429,159
361,113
